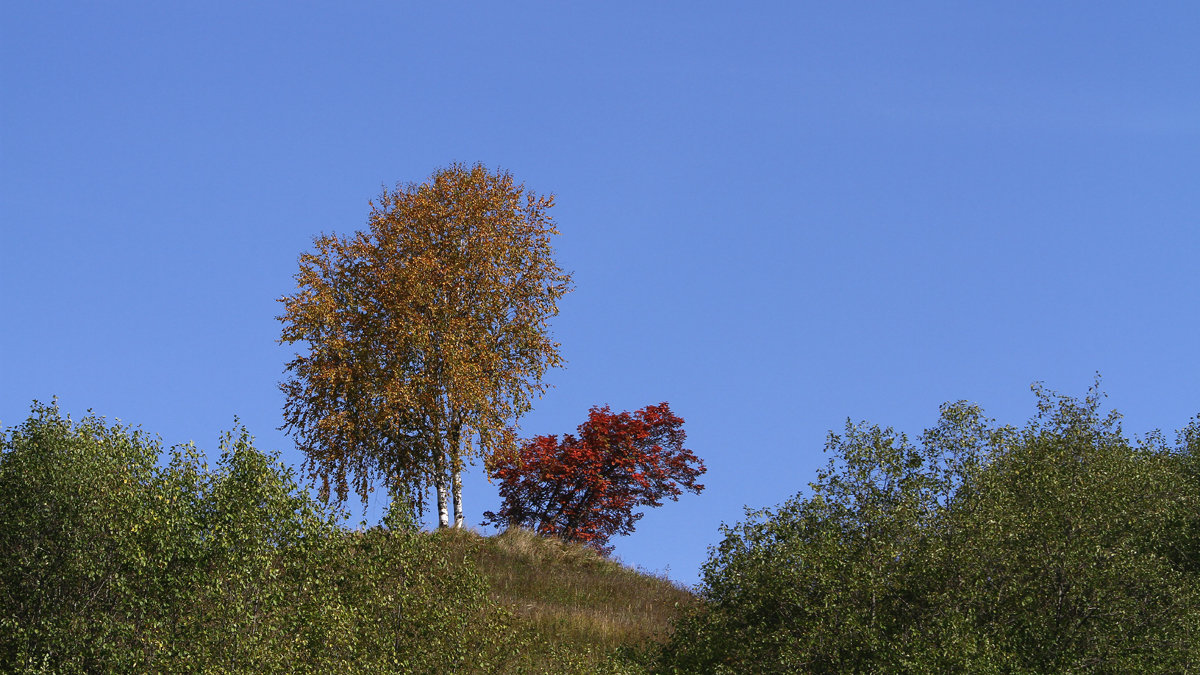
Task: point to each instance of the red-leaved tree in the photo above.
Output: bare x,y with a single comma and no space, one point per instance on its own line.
586,488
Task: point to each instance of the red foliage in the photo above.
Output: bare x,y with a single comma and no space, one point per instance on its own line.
586,488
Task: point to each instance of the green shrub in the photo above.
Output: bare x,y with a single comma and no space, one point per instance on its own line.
1057,548
110,562
79,531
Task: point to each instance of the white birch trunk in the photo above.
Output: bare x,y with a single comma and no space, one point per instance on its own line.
456,464
456,482
439,484
443,514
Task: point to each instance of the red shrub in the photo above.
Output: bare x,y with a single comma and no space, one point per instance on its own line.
586,488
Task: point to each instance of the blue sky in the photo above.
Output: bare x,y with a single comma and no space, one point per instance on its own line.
778,215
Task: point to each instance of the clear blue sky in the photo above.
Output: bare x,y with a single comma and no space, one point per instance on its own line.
778,215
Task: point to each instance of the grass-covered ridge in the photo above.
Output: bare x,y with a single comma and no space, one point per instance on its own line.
567,599
114,561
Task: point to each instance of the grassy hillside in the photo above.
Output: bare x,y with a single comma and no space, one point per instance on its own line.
573,607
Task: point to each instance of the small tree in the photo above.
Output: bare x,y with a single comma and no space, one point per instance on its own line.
427,334
587,488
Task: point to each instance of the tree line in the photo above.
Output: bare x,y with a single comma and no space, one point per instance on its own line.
1060,546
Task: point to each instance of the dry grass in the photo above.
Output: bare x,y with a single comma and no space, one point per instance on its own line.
569,597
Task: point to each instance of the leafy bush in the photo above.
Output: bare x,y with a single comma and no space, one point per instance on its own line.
1056,548
110,562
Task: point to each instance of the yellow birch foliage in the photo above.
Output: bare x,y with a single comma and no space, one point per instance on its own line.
426,333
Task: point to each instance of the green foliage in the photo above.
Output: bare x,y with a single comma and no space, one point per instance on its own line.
1060,547
110,562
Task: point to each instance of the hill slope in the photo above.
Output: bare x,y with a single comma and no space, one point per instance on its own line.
574,606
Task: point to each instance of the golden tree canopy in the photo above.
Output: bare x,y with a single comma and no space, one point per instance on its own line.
425,331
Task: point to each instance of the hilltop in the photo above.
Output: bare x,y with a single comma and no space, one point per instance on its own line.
571,607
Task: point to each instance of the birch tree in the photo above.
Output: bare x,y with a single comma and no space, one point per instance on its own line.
427,335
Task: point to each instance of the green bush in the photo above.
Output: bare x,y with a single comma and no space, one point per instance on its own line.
110,562
1056,548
